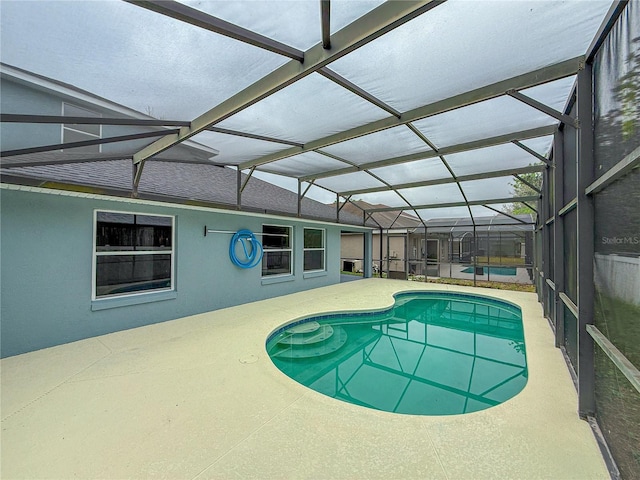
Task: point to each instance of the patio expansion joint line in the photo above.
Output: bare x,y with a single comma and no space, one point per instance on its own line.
66,380
435,450
252,433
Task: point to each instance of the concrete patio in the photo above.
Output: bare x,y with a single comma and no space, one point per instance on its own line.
199,398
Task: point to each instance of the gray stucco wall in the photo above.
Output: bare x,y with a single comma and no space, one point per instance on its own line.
46,250
18,98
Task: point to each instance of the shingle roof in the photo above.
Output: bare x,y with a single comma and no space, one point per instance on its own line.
389,219
493,223
177,181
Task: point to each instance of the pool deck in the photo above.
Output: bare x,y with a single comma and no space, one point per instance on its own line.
199,398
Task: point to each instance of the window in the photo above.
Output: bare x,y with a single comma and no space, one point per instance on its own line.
314,249
133,253
80,132
278,254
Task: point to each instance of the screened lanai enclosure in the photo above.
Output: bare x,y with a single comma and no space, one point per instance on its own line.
433,108
496,248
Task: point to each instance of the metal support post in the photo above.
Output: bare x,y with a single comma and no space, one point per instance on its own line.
585,214
388,255
424,256
238,189
488,255
381,253
474,251
558,233
544,216
406,255
367,268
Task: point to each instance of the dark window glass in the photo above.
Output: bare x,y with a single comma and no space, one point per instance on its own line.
125,273
119,274
276,237
314,260
126,232
276,241
313,249
276,263
313,238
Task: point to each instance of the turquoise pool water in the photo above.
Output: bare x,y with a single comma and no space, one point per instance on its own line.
493,270
430,354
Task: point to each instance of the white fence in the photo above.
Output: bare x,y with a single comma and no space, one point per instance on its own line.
618,276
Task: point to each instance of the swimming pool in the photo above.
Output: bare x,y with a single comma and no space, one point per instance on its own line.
432,353
494,270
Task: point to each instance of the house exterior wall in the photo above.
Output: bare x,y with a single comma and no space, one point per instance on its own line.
352,248
46,277
19,98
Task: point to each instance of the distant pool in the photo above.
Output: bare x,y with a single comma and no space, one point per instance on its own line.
432,353
494,270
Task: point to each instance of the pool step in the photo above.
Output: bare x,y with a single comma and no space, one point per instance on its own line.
308,340
305,336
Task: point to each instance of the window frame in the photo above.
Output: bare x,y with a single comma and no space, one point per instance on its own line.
266,250
70,127
96,254
313,249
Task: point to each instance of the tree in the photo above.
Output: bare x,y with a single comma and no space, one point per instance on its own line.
522,188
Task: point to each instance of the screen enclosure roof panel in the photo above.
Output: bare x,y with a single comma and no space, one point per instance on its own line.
411,104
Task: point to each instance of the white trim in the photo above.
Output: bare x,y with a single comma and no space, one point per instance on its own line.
156,203
290,249
107,303
93,135
96,254
315,249
65,126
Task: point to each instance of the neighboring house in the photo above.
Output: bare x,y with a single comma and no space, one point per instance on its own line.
401,247
390,249
81,257
26,93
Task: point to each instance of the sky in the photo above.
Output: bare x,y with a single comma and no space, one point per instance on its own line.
175,71
158,66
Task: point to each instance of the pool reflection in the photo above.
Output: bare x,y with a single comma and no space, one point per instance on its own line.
429,355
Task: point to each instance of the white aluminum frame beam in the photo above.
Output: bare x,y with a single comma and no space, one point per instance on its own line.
531,79
367,28
198,18
566,119
457,204
462,147
445,180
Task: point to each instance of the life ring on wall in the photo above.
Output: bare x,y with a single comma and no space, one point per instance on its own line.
252,256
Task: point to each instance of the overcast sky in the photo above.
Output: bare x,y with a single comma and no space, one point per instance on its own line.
175,71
